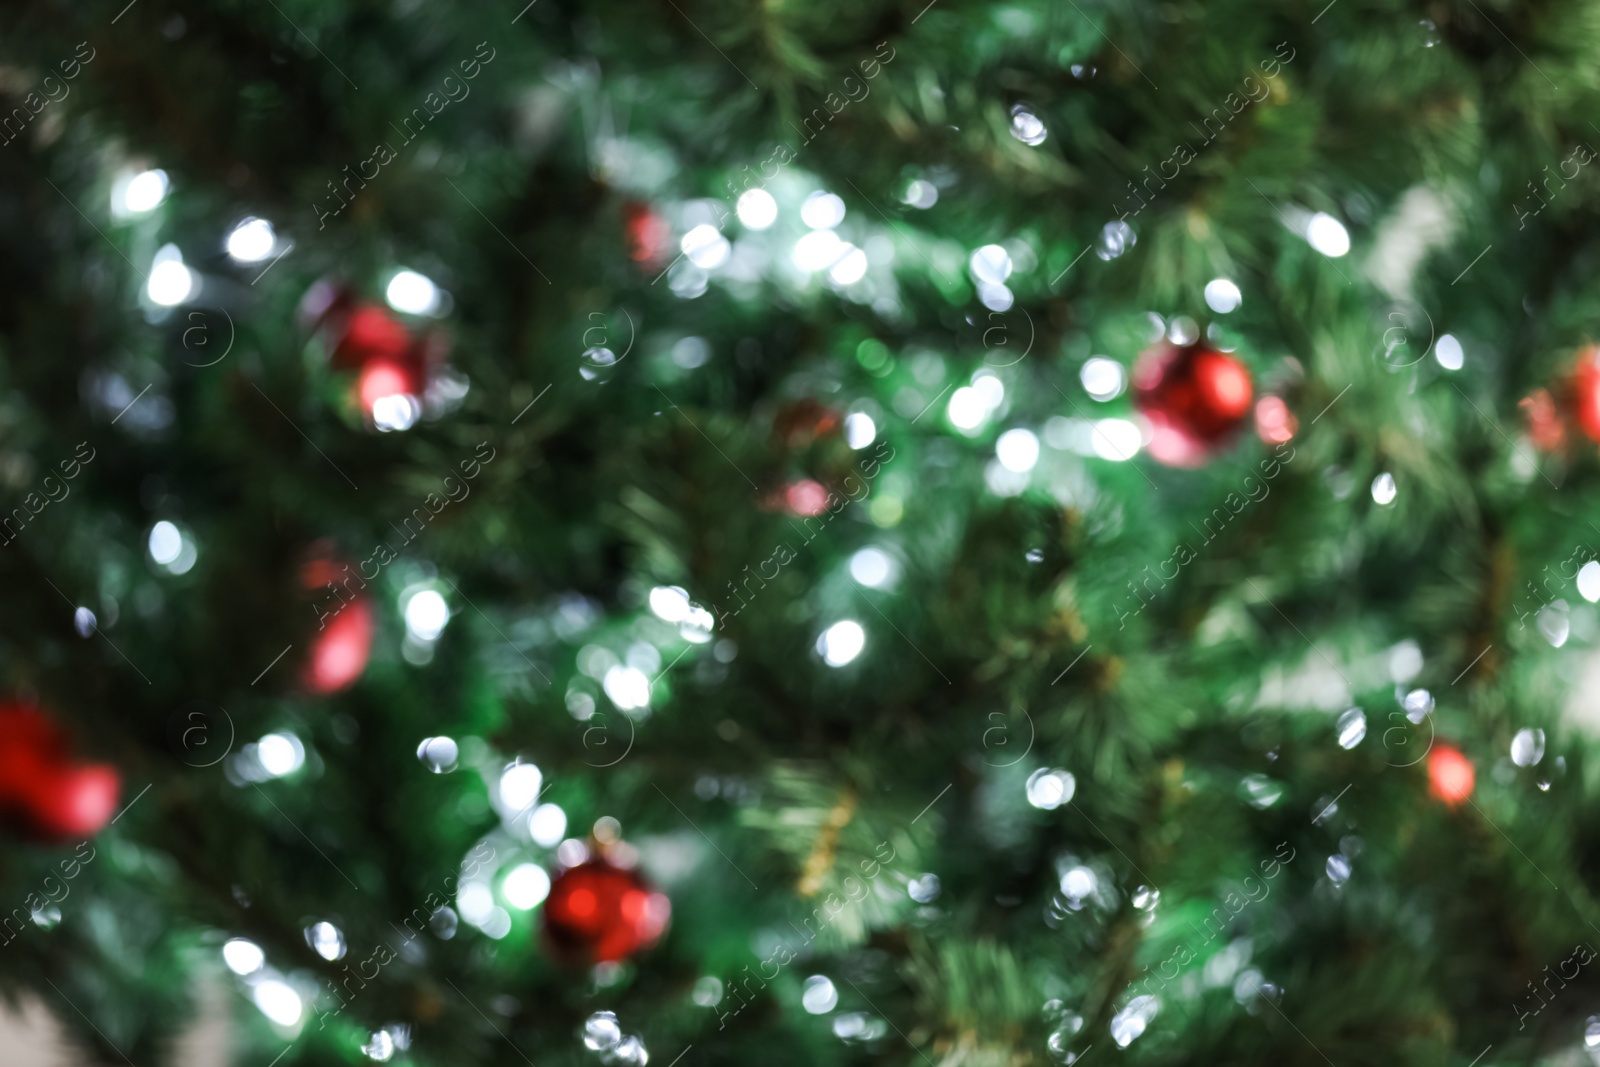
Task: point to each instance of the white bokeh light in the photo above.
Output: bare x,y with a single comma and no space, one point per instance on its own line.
166,543
1017,450
1116,439
818,996
278,1002
859,430
705,247
842,642
1384,490
1447,350
143,192
1222,296
872,567
991,264
243,956
547,825
1327,235
822,211
526,886
757,210
326,940
170,282
967,409
280,754
1102,378
921,194
818,250
412,293
669,602
251,241
1048,788
851,266
426,614
628,687
475,902
397,411
1026,126
519,786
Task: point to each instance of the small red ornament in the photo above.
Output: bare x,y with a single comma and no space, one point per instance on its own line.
42,790
370,333
1195,398
343,641
1450,775
648,233
1585,392
598,912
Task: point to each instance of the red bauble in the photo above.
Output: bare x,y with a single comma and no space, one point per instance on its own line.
648,234
42,790
340,649
598,912
1586,393
1450,775
370,333
1195,398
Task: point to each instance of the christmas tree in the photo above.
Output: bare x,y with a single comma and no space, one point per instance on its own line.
573,533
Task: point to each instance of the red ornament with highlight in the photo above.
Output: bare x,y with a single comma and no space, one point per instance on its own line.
342,644
1450,775
1585,392
598,912
648,234
43,791
1195,398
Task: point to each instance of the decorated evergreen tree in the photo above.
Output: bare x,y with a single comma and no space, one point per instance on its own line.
949,533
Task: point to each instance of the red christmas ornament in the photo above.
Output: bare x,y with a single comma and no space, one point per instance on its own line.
598,912
343,642
1585,392
339,651
370,333
648,233
1450,775
42,790
1195,398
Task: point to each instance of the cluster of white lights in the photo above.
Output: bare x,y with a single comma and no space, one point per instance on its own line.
990,266
170,549
439,754
822,249
413,293
326,940
1116,439
705,247
921,194
276,999
274,756
671,603
841,643
397,411
971,405
426,614
170,282
251,241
